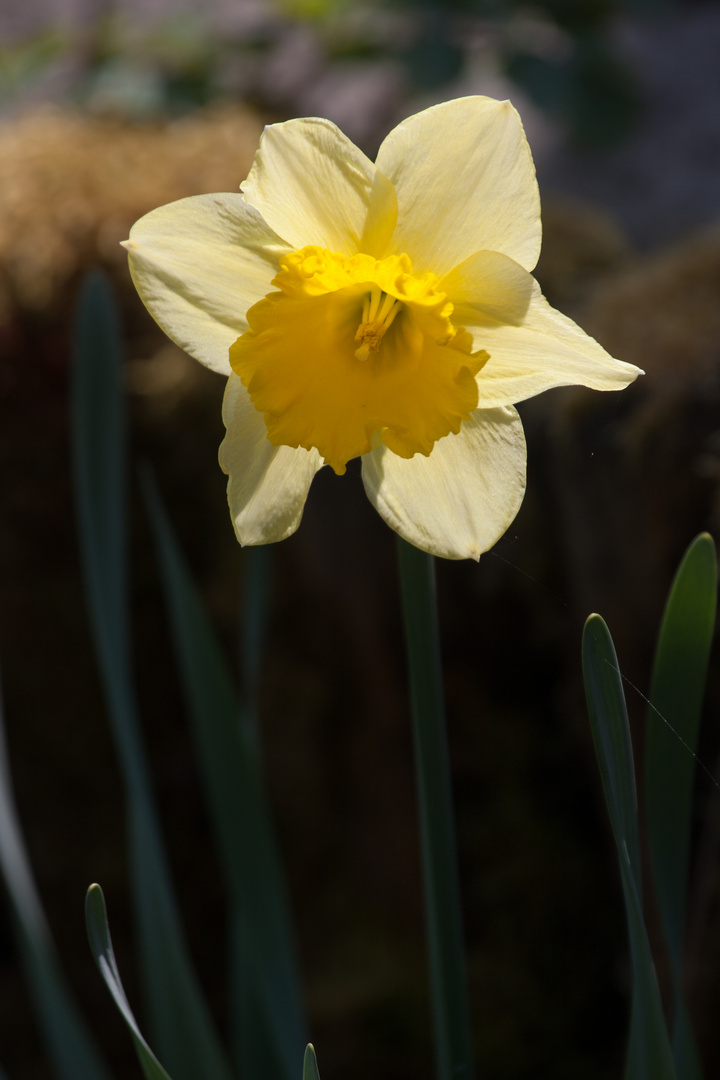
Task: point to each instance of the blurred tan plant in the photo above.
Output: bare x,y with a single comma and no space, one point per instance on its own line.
71,185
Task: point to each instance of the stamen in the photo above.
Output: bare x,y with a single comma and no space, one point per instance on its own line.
393,312
386,307
376,318
375,296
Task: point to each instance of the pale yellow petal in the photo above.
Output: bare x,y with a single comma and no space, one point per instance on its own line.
544,350
465,182
267,485
381,217
313,186
198,265
488,285
457,502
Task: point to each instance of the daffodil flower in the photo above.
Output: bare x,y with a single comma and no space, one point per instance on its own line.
383,311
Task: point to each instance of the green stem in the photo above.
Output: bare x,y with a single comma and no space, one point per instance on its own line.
448,972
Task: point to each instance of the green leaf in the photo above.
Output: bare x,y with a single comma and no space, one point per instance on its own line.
98,428
310,1066
611,734
443,912
673,720
255,1045
102,950
70,1045
649,1054
179,1018
256,581
240,815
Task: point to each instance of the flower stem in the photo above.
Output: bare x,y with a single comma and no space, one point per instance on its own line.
448,972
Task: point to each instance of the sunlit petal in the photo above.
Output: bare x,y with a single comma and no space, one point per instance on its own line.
267,485
545,350
465,181
381,217
198,265
488,285
458,501
313,186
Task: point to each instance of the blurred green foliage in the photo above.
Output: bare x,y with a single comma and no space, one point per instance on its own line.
563,53
22,62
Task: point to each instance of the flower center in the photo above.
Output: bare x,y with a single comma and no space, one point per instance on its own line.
353,349
379,310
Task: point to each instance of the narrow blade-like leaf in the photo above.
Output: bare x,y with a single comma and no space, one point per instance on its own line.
254,622
649,1054
179,1018
454,1057
253,1039
101,947
676,696
237,803
310,1065
71,1048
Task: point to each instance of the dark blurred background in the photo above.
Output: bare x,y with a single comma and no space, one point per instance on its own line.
109,109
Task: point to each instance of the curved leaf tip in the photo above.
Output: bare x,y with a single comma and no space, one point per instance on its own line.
310,1066
102,950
